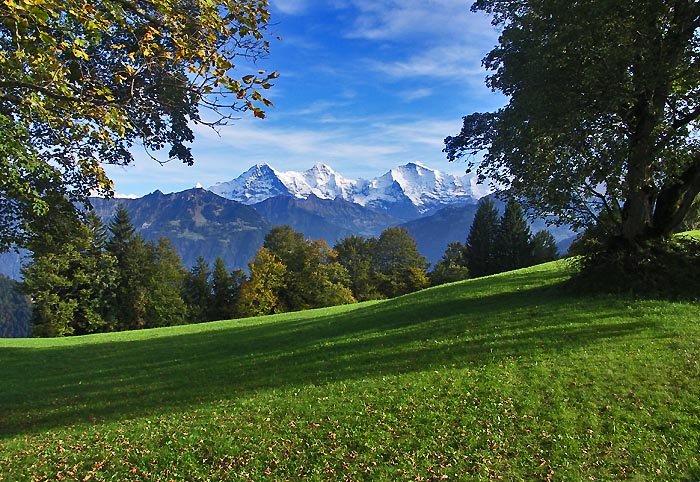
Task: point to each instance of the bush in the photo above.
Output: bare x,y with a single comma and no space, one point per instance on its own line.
662,268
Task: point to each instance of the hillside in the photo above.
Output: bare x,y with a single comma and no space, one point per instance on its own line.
510,376
197,223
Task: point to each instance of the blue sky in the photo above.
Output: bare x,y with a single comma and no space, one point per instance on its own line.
364,86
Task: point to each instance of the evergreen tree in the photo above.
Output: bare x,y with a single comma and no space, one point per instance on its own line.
198,291
135,270
451,267
165,306
544,247
479,252
225,291
122,232
512,241
399,267
71,279
135,261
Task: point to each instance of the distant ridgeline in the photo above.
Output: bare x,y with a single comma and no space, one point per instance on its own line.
15,310
231,219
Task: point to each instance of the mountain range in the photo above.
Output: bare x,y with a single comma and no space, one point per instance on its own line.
405,192
230,219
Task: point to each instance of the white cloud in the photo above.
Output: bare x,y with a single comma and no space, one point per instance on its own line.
436,19
290,7
415,94
453,62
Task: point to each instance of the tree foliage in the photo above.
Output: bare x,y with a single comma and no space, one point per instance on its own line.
452,266
81,83
480,248
71,280
313,278
261,294
544,247
602,115
356,254
399,267
512,248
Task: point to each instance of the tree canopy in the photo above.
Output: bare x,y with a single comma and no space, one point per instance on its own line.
602,115
82,83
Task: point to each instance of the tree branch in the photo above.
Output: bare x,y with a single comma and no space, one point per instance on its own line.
44,90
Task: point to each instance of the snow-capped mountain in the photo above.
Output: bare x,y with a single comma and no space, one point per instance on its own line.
258,183
409,185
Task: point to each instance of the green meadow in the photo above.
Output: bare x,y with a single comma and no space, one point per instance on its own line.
510,377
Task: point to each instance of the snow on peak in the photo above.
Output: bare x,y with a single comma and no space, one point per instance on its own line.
258,183
413,182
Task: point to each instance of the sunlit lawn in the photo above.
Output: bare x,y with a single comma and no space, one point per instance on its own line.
509,376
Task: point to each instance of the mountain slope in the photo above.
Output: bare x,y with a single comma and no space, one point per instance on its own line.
197,223
433,233
510,376
326,219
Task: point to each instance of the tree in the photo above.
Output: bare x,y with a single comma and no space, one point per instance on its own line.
313,278
225,291
165,306
602,115
398,265
197,290
81,83
512,241
544,247
135,260
324,281
479,251
260,295
71,279
122,232
356,254
452,266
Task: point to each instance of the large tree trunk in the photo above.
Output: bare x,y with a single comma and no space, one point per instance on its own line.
639,200
675,199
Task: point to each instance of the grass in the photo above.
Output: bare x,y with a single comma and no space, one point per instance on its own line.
510,376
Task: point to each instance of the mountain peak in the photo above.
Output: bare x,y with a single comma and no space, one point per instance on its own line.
410,184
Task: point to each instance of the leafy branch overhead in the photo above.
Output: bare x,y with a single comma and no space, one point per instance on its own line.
81,83
602,121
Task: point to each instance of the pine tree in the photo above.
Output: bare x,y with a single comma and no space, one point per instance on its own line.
136,262
15,310
71,279
544,247
512,240
122,232
225,289
164,304
197,291
451,267
479,252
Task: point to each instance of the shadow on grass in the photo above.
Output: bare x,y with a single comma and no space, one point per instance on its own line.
455,326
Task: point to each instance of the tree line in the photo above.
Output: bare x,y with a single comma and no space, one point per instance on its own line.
495,245
90,277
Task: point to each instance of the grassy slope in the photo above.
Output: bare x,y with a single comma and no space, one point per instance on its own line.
503,376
